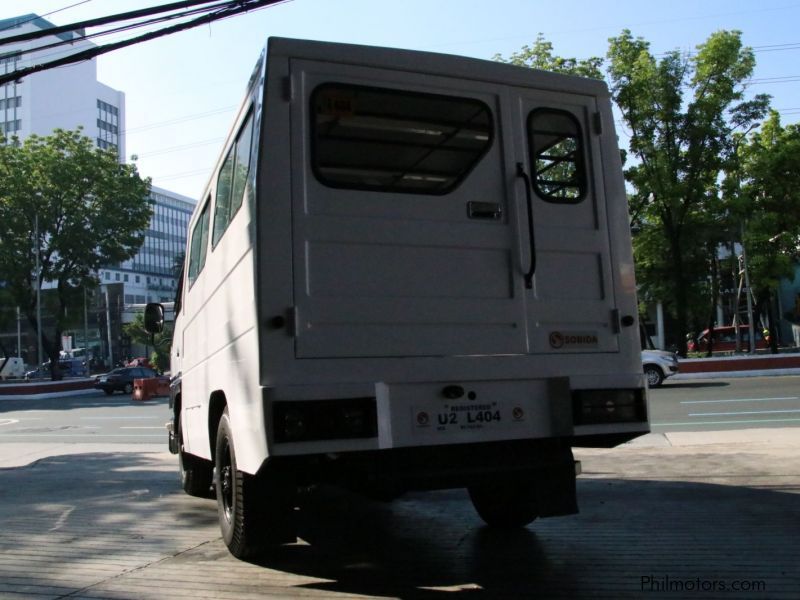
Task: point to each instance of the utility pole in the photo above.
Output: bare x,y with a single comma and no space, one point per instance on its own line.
750,325
85,328
38,292
108,330
19,333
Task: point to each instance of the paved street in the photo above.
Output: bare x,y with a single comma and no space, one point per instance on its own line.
106,519
717,404
93,417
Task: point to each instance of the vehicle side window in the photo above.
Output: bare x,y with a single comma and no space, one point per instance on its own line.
197,252
395,141
557,156
232,179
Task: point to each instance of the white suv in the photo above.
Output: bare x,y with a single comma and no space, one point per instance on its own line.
658,365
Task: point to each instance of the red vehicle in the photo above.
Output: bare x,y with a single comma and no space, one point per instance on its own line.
140,361
725,339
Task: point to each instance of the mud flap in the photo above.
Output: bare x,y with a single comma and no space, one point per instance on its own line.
555,490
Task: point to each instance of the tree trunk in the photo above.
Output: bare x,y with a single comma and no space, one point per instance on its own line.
681,301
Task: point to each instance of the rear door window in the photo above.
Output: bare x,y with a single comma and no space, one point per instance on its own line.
395,141
557,156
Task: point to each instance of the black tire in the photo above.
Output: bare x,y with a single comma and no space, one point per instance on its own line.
256,513
505,505
653,375
196,474
128,389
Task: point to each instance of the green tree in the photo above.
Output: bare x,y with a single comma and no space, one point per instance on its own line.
540,56
91,210
160,343
682,112
768,204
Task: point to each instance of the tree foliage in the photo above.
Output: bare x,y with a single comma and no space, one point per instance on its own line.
540,56
682,112
769,205
92,212
160,343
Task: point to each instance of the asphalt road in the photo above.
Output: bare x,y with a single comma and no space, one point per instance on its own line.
94,417
690,405
720,404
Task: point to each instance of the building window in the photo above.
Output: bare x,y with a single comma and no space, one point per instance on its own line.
10,126
8,103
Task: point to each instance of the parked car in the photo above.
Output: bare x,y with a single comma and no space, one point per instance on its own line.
725,339
121,379
658,365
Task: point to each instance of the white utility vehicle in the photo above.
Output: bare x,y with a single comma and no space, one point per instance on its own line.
11,367
408,271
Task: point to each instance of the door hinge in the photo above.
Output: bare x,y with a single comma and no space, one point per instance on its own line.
288,89
598,123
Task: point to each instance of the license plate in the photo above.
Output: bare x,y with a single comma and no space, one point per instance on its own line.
466,417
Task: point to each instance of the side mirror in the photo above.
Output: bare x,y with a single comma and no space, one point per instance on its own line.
154,318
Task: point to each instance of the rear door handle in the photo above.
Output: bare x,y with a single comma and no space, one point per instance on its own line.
491,211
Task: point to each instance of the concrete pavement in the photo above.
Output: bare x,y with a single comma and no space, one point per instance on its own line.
689,509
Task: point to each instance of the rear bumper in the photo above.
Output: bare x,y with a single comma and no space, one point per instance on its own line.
431,467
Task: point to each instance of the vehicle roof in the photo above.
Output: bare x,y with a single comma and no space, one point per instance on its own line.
448,65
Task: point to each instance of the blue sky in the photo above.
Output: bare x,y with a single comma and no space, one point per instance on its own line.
181,91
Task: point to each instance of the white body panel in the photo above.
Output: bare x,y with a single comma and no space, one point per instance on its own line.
320,292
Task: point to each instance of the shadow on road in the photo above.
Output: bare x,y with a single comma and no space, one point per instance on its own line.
689,384
125,515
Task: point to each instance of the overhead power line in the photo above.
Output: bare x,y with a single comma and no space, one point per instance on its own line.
127,27
126,16
52,12
222,10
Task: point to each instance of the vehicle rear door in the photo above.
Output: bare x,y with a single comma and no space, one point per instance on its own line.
570,305
404,227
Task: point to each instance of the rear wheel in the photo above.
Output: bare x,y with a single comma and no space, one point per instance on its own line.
128,388
653,375
196,473
505,505
255,512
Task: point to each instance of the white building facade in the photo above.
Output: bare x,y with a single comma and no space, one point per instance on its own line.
64,97
152,275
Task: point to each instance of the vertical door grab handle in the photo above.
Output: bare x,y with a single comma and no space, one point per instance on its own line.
532,269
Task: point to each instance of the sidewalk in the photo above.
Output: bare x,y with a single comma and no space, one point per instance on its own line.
695,508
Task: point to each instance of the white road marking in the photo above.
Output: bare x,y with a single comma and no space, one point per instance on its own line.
121,418
97,435
8,421
746,412
738,400
735,422
161,427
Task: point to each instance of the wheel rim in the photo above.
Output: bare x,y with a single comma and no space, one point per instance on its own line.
128,388
653,378
226,482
